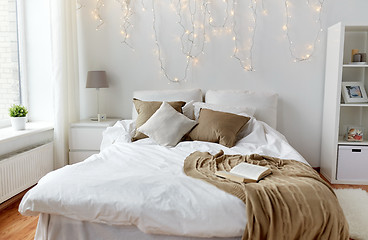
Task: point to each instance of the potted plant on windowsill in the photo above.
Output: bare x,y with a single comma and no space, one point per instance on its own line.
18,115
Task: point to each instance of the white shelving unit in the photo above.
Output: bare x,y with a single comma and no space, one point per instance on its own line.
343,161
354,66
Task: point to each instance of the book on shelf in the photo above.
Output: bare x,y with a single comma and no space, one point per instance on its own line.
245,172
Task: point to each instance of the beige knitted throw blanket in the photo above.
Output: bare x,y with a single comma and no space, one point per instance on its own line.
291,203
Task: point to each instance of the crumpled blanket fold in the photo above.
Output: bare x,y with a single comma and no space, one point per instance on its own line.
294,202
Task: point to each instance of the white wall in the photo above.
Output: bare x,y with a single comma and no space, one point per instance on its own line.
300,85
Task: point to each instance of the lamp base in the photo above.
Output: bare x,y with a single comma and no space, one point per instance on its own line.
100,117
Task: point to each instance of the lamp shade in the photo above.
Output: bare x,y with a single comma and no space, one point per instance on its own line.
96,79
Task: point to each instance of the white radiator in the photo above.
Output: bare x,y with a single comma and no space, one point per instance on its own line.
21,170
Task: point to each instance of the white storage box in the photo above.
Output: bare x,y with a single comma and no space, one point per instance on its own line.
352,163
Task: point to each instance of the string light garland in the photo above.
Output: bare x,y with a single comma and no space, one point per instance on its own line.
211,19
185,32
310,47
263,7
192,38
143,6
97,15
79,5
196,17
247,63
125,19
162,65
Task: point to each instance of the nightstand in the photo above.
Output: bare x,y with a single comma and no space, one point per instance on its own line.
85,138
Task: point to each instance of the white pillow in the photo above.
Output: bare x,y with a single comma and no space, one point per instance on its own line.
265,103
243,111
122,131
167,126
188,110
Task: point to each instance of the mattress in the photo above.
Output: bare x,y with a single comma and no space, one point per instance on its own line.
142,184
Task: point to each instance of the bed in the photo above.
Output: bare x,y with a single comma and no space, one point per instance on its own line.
138,190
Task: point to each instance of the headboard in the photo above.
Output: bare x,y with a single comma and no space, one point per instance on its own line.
185,95
265,103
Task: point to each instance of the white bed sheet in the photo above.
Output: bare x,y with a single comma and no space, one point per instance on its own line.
143,184
56,227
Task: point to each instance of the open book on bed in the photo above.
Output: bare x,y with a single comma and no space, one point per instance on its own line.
245,172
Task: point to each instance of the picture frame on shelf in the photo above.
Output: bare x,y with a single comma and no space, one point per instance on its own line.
354,92
354,134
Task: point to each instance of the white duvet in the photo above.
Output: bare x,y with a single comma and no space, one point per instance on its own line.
142,183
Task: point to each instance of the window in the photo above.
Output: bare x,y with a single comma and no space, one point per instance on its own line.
10,84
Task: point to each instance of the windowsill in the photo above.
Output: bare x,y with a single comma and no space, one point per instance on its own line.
8,134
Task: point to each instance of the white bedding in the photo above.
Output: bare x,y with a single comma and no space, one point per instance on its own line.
142,183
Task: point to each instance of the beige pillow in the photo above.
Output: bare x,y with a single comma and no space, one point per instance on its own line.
238,110
218,127
146,109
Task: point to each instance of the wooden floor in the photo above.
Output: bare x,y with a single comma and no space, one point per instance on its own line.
14,226
337,186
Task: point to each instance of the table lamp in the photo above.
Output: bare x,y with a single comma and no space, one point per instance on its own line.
97,79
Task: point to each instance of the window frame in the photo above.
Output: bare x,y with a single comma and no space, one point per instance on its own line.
21,58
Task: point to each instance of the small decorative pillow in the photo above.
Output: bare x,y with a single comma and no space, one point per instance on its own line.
146,109
218,127
188,110
243,111
167,126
